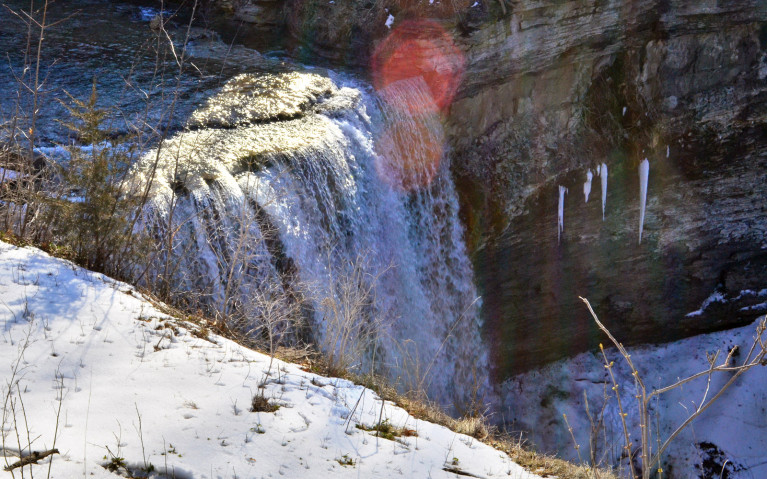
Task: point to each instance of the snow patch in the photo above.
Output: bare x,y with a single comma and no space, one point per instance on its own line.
7,175
716,297
389,21
760,307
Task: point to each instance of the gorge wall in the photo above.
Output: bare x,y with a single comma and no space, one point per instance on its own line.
552,90
562,87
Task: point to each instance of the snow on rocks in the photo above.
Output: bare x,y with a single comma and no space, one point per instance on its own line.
134,383
736,425
715,297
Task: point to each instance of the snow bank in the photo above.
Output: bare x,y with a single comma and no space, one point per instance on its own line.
731,434
136,384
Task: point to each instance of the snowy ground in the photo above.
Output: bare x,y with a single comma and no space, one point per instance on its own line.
730,435
130,384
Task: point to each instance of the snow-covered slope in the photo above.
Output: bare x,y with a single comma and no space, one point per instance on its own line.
728,440
130,383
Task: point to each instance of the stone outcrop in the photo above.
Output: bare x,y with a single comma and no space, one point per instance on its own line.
554,89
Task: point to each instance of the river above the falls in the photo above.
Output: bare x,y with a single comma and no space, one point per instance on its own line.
135,67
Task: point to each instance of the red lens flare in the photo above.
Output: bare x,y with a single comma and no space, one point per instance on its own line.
420,48
410,154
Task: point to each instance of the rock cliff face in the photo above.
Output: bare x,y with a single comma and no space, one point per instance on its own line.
554,89
558,88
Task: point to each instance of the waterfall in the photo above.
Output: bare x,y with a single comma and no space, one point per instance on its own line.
353,189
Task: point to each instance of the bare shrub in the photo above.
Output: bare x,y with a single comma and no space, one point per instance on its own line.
350,329
650,455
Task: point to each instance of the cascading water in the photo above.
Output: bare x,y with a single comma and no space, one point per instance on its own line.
350,188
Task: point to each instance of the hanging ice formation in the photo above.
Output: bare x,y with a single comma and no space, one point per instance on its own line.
561,212
644,174
603,178
587,185
265,207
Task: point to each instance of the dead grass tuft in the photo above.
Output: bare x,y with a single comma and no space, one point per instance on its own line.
261,404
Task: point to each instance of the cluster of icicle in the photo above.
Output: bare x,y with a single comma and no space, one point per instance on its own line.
601,171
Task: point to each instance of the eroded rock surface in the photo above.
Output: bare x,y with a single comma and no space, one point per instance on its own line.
557,89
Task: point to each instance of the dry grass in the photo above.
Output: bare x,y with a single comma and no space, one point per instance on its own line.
387,430
261,404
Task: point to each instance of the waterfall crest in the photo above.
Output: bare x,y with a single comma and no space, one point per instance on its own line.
345,187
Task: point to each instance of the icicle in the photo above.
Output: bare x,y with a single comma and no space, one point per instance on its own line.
587,185
603,176
561,212
644,173
668,151
624,111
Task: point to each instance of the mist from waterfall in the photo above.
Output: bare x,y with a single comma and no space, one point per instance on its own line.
355,189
